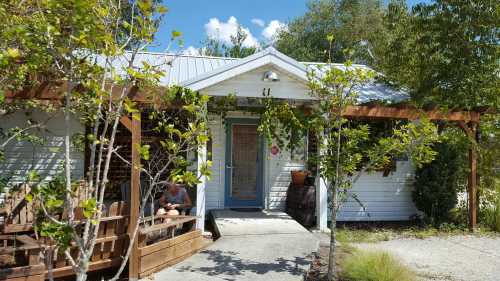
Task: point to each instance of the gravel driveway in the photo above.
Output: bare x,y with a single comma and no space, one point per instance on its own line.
454,258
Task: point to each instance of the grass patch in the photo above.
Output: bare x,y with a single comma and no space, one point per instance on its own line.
374,266
372,234
349,235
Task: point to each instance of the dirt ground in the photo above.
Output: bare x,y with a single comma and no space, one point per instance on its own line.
452,258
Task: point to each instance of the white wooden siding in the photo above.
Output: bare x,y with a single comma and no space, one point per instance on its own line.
46,158
214,191
250,84
278,177
384,198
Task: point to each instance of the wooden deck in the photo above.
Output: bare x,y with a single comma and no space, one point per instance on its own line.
162,241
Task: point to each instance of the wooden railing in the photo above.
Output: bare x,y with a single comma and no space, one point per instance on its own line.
111,243
166,242
162,241
17,211
19,258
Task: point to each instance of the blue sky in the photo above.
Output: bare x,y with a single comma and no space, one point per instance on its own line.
197,19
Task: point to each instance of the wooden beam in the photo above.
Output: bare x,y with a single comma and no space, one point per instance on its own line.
135,191
409,113
126,122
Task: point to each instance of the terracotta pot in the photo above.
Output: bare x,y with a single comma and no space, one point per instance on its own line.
299,177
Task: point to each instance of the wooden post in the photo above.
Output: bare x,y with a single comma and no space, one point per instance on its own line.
200,189
472,184
135,181
470,130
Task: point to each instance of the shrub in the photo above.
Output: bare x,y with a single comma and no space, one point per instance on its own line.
491,215
437,183
374,266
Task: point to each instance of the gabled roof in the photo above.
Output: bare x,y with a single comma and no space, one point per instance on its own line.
201,72
269,56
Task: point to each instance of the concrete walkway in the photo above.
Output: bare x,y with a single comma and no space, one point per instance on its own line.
253,246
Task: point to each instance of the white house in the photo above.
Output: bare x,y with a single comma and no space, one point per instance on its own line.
245,171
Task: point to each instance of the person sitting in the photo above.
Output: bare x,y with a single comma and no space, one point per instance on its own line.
174,201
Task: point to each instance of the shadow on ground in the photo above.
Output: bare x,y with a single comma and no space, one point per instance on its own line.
227,263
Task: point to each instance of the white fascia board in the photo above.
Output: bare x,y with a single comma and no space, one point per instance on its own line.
292,67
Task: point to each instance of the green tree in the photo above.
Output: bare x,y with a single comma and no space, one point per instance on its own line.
343,153
445,53
437,183
87,51
236,49
357,26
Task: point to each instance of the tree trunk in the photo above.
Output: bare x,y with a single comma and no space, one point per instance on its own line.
332,266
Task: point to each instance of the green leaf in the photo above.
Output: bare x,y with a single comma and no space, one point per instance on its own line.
13,53
162,9
33,176
143,151
54,149
176,34
54,203
89,207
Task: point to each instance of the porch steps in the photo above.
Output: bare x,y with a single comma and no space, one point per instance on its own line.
230,223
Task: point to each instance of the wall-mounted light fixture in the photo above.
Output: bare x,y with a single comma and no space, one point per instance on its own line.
270,76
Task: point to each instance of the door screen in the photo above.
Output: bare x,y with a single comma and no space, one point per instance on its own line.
244,162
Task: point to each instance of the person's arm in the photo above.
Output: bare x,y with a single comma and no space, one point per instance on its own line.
163,201
187,201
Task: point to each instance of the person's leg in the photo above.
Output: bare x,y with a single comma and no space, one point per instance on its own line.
173,213
161,211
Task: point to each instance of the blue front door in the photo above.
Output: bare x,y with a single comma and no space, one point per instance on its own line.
244,157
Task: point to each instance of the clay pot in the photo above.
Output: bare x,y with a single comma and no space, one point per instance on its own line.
299,177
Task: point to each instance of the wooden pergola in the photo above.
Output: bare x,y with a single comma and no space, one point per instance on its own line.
467,120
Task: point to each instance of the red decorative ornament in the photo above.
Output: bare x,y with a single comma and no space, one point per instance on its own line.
275,149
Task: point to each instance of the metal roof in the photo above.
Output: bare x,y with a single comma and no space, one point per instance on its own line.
188,69
177,68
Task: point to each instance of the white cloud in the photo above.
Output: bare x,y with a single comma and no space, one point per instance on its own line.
223,31
259,22
272,29
191,51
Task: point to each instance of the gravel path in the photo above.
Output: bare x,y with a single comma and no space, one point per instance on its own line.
454,258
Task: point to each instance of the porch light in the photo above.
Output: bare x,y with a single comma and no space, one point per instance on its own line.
271,76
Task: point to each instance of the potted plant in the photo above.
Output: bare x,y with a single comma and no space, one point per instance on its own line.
299,177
